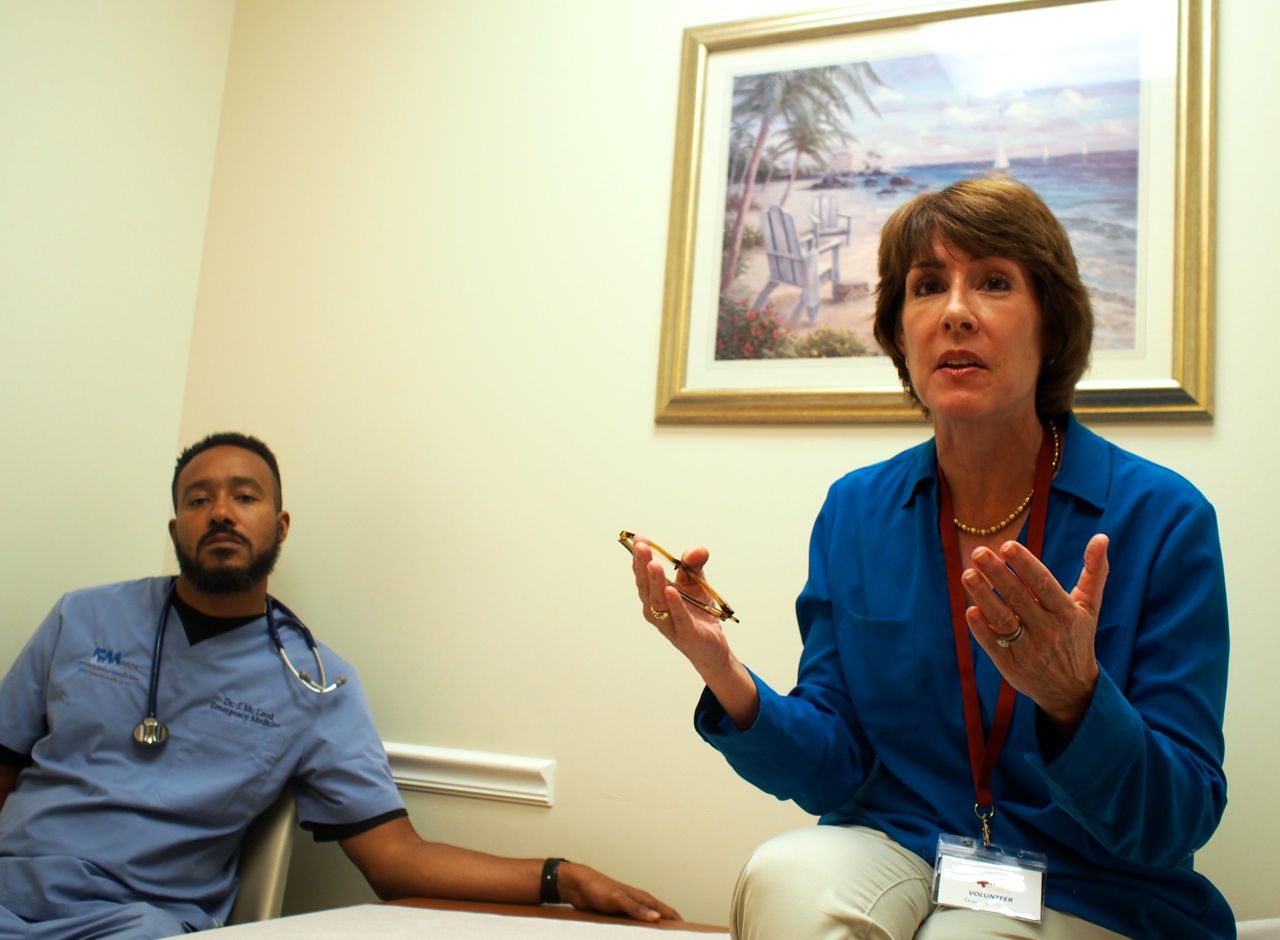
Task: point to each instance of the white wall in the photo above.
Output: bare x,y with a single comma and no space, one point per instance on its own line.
1233,461
432,280
108,121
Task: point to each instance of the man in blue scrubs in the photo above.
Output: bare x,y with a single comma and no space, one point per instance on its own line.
103,834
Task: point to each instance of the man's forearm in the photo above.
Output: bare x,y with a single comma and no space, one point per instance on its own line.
397,863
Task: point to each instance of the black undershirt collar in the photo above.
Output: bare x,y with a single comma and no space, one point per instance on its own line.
201,626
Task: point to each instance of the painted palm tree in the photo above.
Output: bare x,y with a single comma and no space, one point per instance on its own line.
813,136
741,143
773,156
828,90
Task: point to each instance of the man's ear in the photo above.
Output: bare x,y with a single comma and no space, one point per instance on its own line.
282,524
173,531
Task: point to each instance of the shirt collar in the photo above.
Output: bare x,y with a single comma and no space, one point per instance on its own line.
1085,470
201,626
922,472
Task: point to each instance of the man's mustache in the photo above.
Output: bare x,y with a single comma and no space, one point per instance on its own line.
221,530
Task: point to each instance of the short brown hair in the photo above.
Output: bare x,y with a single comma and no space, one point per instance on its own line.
992,216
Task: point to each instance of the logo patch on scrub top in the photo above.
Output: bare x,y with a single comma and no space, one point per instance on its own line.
243,711
111,666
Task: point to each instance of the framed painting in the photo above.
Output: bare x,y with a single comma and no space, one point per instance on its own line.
797,136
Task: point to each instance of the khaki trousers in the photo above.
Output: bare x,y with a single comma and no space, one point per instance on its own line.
854,883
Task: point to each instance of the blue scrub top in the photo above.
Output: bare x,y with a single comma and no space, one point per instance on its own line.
99,817
873,733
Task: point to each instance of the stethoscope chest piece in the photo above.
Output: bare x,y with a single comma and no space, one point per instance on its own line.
151,732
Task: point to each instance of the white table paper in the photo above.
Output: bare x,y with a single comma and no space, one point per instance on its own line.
390,922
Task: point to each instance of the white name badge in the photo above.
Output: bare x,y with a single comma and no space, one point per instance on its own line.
989,878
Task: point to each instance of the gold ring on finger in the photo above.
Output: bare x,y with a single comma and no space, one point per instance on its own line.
1004,642
659,614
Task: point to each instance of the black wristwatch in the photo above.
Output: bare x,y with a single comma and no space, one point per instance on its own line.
549,890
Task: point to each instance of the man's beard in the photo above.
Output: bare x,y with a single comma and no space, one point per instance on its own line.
226,579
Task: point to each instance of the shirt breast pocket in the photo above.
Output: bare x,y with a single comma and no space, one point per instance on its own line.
882,668
219,766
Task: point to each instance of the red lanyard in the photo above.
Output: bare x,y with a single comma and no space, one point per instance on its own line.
983,755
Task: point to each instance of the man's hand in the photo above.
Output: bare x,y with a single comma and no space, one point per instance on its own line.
588,890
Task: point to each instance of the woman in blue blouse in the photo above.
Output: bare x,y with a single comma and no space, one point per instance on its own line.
1015,634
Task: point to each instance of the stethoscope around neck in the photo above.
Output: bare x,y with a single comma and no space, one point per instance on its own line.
152,732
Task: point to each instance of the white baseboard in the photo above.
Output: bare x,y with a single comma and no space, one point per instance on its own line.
476,774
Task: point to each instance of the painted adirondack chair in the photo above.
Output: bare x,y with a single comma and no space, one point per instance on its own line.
828,220
797,261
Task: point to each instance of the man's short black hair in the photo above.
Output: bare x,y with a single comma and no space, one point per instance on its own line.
228,439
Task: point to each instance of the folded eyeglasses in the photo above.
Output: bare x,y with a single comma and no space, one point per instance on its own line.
713,603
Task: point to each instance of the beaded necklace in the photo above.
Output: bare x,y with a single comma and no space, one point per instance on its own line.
1004,523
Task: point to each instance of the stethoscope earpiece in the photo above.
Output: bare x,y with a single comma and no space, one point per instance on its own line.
290,619
152,732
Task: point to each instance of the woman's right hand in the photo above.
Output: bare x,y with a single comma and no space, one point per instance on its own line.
694,632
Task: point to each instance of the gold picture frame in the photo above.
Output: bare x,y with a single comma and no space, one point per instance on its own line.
1168,373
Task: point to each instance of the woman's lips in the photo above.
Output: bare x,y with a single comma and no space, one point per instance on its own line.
959,360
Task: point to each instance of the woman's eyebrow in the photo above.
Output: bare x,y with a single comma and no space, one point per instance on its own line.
928,263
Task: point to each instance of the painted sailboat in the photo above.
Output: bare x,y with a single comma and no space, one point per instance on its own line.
1002,159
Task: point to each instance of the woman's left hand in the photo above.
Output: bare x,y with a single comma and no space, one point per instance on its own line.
1049,656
